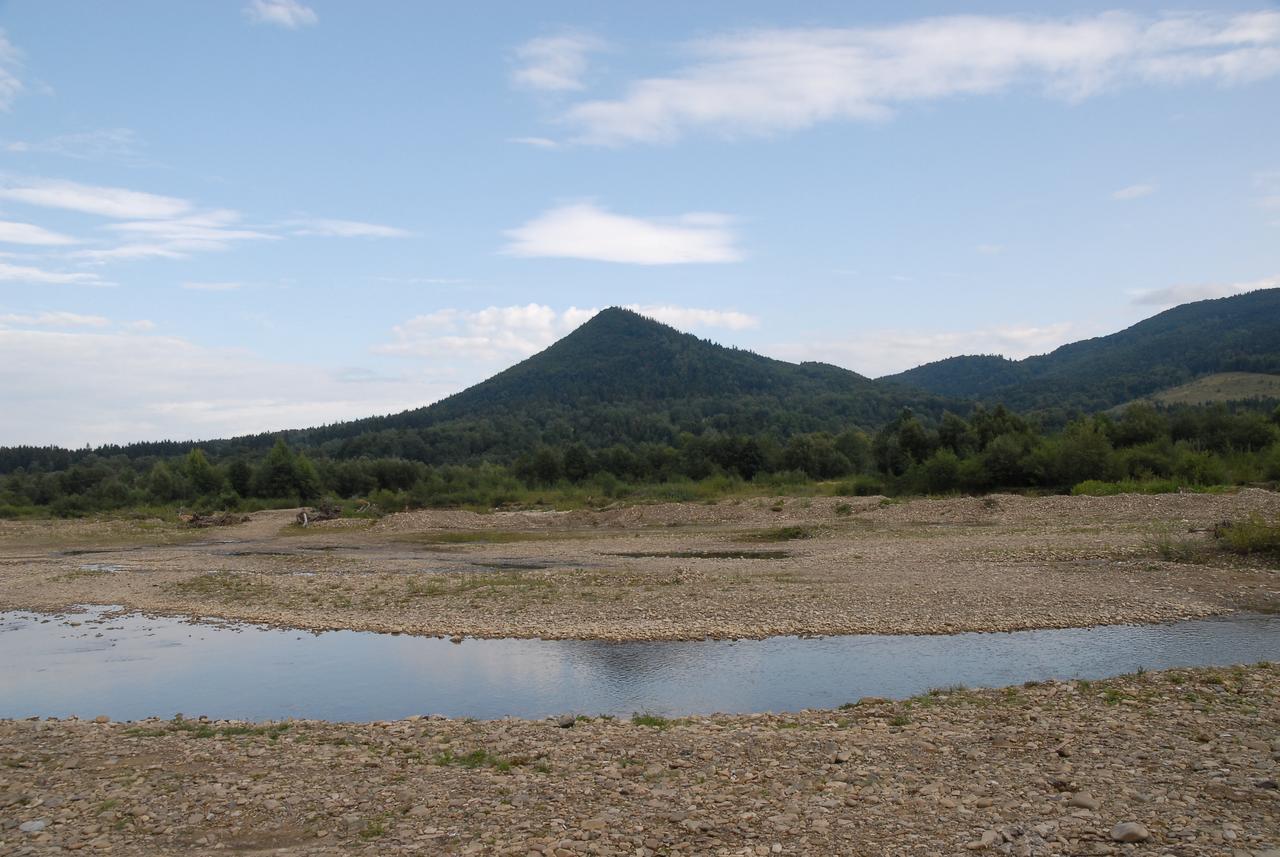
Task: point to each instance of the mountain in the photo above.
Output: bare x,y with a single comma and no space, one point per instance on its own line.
1235,334
624,378
620,378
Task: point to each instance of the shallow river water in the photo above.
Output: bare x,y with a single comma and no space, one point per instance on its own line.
133,666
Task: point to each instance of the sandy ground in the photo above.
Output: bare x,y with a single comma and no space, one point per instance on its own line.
1182,762
670,571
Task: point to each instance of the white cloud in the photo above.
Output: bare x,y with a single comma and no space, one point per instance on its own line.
1133,191
90,199
28,274
346,229
584,231
289,14
176,238
212,287
691,318
535,142
86,145
555,63
773,80
1187,292
10,84
122,384
885,352
12,232
52,319
507,334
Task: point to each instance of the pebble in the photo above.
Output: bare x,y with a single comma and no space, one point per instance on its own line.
1130,831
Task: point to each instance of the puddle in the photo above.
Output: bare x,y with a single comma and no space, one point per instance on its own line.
131,666
709,554
105,567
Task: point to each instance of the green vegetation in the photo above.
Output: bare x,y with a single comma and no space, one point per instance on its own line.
651,720
1221,387
626,409
1236,334
1254,535
780,534
201,729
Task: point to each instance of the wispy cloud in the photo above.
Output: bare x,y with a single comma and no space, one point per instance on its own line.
10,61
990,249
1187,292
12,232
85,145
1133,191
555,63
212,287
584,231
176,238
536,142
289,14
346,228
773,80
514,332
29,274
884,352
91,199
53,319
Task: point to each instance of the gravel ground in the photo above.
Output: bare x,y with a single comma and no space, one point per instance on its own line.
1182,762
667,571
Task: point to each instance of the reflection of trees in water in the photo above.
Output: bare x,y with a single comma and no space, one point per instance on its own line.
629,664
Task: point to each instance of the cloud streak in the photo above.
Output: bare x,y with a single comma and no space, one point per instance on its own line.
10,61
767,81
289,14
1133,191
92,199
555,63
585,231
12,232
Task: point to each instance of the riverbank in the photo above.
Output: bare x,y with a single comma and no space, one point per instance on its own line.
735,569
1188,757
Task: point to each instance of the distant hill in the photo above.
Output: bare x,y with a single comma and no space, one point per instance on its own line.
1235,334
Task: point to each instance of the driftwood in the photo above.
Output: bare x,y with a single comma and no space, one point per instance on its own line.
320,513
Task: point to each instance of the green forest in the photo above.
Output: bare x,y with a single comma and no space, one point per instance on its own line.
1144,448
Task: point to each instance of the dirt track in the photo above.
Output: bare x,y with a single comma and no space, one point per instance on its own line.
670,571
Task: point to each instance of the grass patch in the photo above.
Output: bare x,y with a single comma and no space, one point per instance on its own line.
1253,535
224,586
198,729
476,759
651,720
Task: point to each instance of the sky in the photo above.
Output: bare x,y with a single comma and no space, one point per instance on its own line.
250,215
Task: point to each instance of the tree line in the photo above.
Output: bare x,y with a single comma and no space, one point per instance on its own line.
1144,446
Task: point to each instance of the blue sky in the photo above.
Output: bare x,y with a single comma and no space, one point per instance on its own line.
243,216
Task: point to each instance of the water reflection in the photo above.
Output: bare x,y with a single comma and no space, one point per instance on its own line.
132,667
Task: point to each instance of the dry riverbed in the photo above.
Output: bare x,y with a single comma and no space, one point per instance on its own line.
748,568
1182,762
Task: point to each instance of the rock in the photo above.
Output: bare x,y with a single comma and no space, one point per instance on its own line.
1084,800
566,721
1130,831
33,826
102,718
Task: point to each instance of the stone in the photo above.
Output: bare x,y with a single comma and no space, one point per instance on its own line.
33,826
1084,800
1130,831
566,721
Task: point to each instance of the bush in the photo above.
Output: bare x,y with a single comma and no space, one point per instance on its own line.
860,486
1253,535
